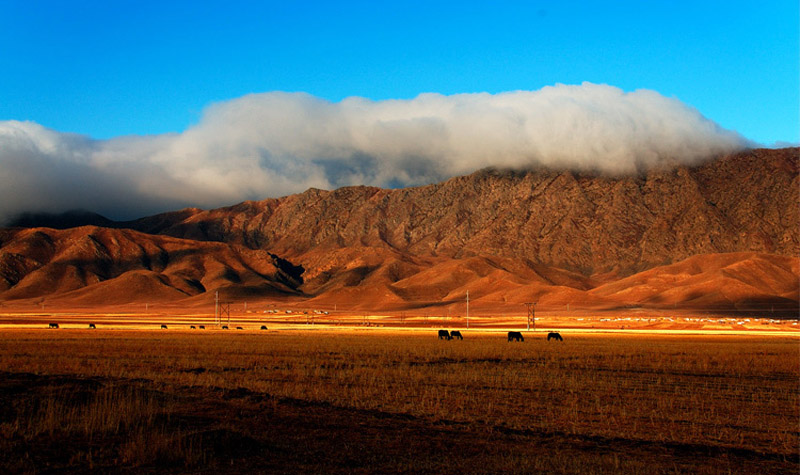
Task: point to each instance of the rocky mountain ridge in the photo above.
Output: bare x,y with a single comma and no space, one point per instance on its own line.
505,236
591,224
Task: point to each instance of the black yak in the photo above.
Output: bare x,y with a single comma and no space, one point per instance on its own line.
515,336
456,334
554,336
444,335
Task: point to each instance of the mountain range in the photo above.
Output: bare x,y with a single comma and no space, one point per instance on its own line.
719,236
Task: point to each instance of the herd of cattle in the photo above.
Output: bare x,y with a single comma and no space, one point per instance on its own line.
512,336
443,334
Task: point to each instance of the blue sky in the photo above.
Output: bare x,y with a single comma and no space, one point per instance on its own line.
106,69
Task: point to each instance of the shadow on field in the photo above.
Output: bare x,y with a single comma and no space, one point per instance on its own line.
65,423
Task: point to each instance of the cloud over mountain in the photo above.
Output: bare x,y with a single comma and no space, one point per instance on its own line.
276,143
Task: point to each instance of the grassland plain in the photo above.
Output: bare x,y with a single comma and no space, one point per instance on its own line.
360,401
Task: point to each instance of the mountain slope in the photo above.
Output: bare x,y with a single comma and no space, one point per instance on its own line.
713,281
95,264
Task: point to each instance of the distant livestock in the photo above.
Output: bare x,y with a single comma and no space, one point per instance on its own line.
202,327
515,336
163,327
239,328
92,326
53,325
456,334
263,327
191,327
554,336
444,335
224,327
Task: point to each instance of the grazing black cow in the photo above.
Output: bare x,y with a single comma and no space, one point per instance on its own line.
444,335
456,334
202,327
263,327
239,328
53,325
224,327
163,327
91,326
554,336
515,336
191,327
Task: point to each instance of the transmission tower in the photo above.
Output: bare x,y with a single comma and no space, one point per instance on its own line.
221,309
467,308
531,315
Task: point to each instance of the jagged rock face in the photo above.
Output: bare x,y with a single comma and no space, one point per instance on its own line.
580,222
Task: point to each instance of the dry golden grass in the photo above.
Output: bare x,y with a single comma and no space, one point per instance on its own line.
133,419
723,391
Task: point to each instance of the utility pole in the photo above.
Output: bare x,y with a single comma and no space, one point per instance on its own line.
531,314
216,307
467,308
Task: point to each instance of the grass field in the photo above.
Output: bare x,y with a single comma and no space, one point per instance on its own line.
388,400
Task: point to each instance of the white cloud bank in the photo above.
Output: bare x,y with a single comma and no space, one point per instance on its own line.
273,144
